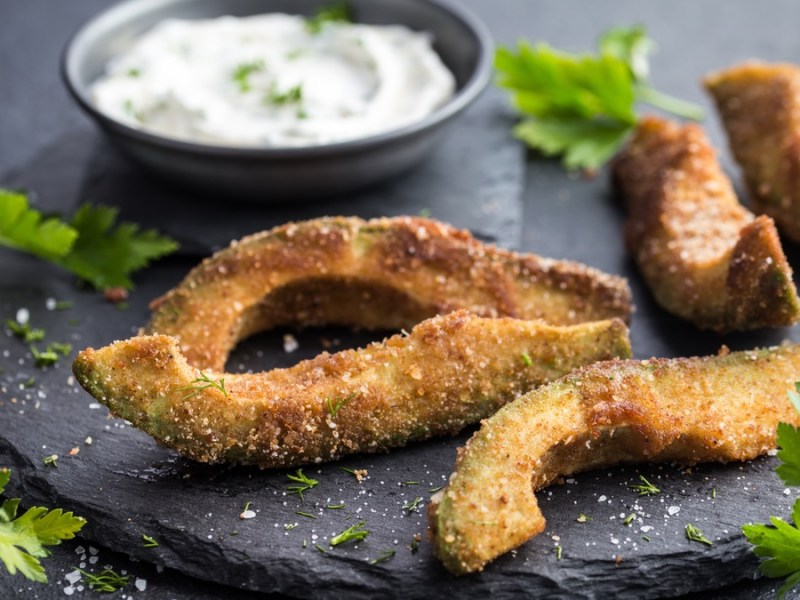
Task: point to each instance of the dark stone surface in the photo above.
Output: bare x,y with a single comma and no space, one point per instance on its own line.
127,486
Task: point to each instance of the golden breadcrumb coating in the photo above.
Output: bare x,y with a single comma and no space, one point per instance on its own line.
388,273
760,108
688,410
450,371
705,257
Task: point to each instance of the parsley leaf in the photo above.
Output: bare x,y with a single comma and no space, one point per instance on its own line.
23,539
582,106
91,246
24,228
105,255
780,543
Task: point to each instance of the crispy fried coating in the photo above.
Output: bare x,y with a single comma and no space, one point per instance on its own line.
721,408
450,371
705,257
760,108
388,273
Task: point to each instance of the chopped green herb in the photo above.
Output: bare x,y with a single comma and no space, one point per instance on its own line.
354,533
62,349
305,484
713,493
645,488
415,543
23,539
51,461
320,548
411,483
526,359
336,405
335,506
425,213
289,526
582,106
558,552
436,489
629,519
24,331
134,72
383,557
646,538
582,518
325,15
149,542
693,534
293,94
29,382
105,581
412,505
44,359
780,543
305,514
241,74
295,54
90,246
203,382
63,305
302,113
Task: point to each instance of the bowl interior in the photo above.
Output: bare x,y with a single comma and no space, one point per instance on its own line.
455,37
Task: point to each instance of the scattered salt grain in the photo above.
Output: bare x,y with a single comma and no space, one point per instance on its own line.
23,316
248,514
602,498
673,510
73,577
69,590
290,343
141,584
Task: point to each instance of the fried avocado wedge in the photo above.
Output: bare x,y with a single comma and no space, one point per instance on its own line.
760,108
721,408
705,257
388,273
450,371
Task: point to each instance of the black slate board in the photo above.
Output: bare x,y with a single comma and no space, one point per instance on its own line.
122,475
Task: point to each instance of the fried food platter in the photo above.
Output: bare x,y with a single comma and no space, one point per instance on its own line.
129,486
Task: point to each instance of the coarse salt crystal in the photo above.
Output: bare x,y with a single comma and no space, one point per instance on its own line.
69,590
141,584
673,510
248,514
73,577
23,316
602,498
290,343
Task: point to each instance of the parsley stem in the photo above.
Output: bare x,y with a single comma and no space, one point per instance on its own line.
676,106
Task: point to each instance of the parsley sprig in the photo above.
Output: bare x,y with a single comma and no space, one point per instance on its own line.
91,245
583,107
780,543
23,539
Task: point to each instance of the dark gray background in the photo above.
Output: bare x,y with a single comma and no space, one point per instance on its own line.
561,216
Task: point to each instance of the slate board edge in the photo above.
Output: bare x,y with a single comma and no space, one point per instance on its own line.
645,577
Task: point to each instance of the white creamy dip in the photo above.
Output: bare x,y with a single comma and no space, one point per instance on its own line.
268,80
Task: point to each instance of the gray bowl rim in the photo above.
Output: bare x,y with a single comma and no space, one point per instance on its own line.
473,87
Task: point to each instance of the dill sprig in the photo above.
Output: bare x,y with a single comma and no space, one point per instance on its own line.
354,533
335,405
412,505
387,555
694,534
148,542
203,382
645,488
105,581
304,484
